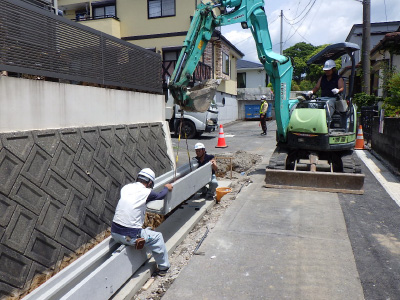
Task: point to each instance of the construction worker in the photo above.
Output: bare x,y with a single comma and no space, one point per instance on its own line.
330,83
130,213
263,114
202,158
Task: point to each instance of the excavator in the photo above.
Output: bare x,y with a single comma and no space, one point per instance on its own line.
315,143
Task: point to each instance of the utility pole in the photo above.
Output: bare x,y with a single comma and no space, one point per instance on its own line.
366,46
281,50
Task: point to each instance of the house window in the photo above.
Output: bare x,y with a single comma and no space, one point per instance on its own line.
107,11
241,80
225,63
160,8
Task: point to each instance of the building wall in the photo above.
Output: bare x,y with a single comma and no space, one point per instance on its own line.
35,104
254,78
109,25
227,108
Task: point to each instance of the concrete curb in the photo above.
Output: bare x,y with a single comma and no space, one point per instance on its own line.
182,222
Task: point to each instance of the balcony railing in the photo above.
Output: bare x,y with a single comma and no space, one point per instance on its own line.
202,71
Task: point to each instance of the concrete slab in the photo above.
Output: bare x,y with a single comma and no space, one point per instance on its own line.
293,246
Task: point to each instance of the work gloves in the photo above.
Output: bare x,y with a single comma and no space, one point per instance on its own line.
335,91
309,93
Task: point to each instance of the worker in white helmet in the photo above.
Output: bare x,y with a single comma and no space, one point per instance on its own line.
202,158
130,213
331,84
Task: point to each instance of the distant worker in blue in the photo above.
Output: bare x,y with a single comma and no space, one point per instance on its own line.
263,114
202,158
331,84
127,225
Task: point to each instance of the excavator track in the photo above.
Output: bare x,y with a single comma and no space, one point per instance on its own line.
350,181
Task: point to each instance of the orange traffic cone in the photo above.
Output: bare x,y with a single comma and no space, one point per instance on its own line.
221,138
360,139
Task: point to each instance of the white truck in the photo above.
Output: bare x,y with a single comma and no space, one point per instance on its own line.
194,123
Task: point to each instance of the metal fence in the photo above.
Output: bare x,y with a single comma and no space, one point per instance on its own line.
367,121
37,42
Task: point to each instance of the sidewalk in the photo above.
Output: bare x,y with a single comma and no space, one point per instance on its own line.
274,244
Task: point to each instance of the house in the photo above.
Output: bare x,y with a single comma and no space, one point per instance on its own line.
252,81
378,32
384,56
161,26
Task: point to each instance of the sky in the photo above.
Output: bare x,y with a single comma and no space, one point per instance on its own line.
317,22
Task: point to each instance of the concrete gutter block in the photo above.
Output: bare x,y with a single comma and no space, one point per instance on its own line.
19,143
10,167
36,165
29,195
14,267
79,180
7,207
48,140
102,153
42,249
19,231
90,135
50,217
73,211
71,137
70,235
84,156
56,186
62,160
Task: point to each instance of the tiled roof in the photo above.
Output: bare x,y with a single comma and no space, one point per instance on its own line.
245,64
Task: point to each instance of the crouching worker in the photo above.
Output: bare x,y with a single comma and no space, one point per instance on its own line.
203,158
130,213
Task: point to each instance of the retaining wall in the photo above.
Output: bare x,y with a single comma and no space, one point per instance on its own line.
59,187
387,144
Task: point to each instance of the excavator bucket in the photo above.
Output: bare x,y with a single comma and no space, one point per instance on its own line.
347,183
201,95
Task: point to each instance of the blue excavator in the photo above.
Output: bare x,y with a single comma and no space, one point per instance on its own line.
315,144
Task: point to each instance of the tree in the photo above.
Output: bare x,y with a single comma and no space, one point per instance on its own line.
299,52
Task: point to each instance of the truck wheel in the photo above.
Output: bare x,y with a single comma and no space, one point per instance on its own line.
188,128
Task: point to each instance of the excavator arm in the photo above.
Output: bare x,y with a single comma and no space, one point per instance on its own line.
250,13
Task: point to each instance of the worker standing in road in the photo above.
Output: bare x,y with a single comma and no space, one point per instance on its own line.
202,158
263,114
130,213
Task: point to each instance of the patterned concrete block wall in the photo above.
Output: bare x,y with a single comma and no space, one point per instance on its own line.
59,189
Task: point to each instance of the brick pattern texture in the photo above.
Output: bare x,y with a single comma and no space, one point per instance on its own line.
59,189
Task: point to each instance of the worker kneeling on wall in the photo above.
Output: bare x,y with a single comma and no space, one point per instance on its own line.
130,214
203,158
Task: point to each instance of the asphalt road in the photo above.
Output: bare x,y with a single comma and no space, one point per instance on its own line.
372,219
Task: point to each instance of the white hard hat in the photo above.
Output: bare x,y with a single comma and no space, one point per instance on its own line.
147,173
199,146
263,97
329,64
